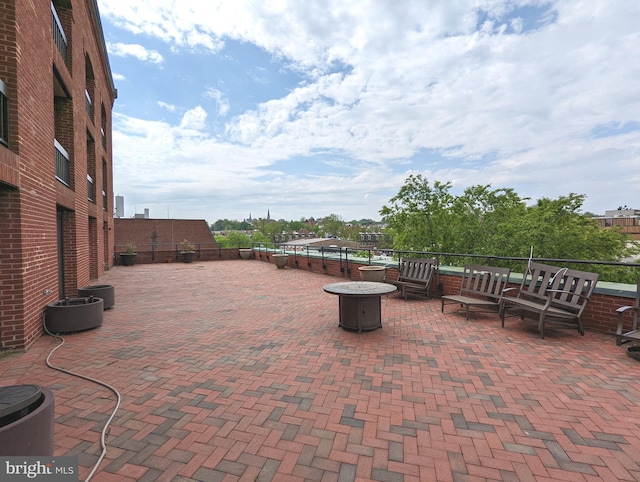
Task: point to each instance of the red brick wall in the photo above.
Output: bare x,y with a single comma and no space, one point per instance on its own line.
29,201
11,281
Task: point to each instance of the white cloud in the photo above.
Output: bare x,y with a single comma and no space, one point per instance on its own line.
508,101
223,103
169,107
194,119
135,50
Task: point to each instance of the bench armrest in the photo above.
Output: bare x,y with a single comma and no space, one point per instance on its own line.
624,309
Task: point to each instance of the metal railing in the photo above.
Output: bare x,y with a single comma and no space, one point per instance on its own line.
63,169
59,38
625,272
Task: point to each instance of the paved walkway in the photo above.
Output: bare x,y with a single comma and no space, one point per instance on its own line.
234,370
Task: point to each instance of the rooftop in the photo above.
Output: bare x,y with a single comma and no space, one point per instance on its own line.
234,370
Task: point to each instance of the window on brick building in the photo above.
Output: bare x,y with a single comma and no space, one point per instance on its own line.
104,184
63,129
103,126
4,114
89,87
58,32
91,168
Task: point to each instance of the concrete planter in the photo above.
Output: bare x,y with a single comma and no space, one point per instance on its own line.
187,256
245,253
280,260
106,292
128,259
74,314
26,421
372,273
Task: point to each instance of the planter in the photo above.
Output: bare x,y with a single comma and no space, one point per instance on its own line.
106,292
634,352
187,256
128,259
74,314
26,421
372,273
245,253
280,260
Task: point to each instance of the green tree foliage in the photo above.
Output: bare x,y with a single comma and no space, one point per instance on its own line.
334,225
234,239
230,225
238,239
497,222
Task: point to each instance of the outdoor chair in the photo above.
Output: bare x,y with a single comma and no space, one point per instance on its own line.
415,276
481,287
550,294
634,334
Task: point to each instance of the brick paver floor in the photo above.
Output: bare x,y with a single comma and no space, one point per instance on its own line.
234,370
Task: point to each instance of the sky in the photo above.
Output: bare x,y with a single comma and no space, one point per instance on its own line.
234,108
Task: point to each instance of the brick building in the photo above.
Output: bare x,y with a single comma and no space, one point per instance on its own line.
627,220
56,96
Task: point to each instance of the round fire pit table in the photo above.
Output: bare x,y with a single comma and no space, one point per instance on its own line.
360,303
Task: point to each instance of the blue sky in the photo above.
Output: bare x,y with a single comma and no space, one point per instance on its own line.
231,108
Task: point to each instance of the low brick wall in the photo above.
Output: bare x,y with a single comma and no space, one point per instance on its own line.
173,256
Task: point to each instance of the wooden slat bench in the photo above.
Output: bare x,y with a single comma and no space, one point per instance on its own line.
415,276
551,294
481,287
634,311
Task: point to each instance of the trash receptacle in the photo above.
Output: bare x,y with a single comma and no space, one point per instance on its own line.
26,421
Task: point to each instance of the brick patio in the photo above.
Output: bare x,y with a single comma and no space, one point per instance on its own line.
234,370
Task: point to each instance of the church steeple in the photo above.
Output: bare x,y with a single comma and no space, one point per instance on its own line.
268,215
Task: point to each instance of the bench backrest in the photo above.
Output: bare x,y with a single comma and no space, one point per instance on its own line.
418,270
484,280
561,284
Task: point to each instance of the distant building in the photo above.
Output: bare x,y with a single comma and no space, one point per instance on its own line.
627,219
375,240
159,240
56,203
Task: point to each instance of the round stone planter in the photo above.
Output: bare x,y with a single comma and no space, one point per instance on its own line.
26,421
280,260
106,292
245,253
74,314
187,256
128,259
634,352
372,273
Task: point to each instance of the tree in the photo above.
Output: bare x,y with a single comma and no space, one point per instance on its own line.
228,225
497,222
417,215
333,225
